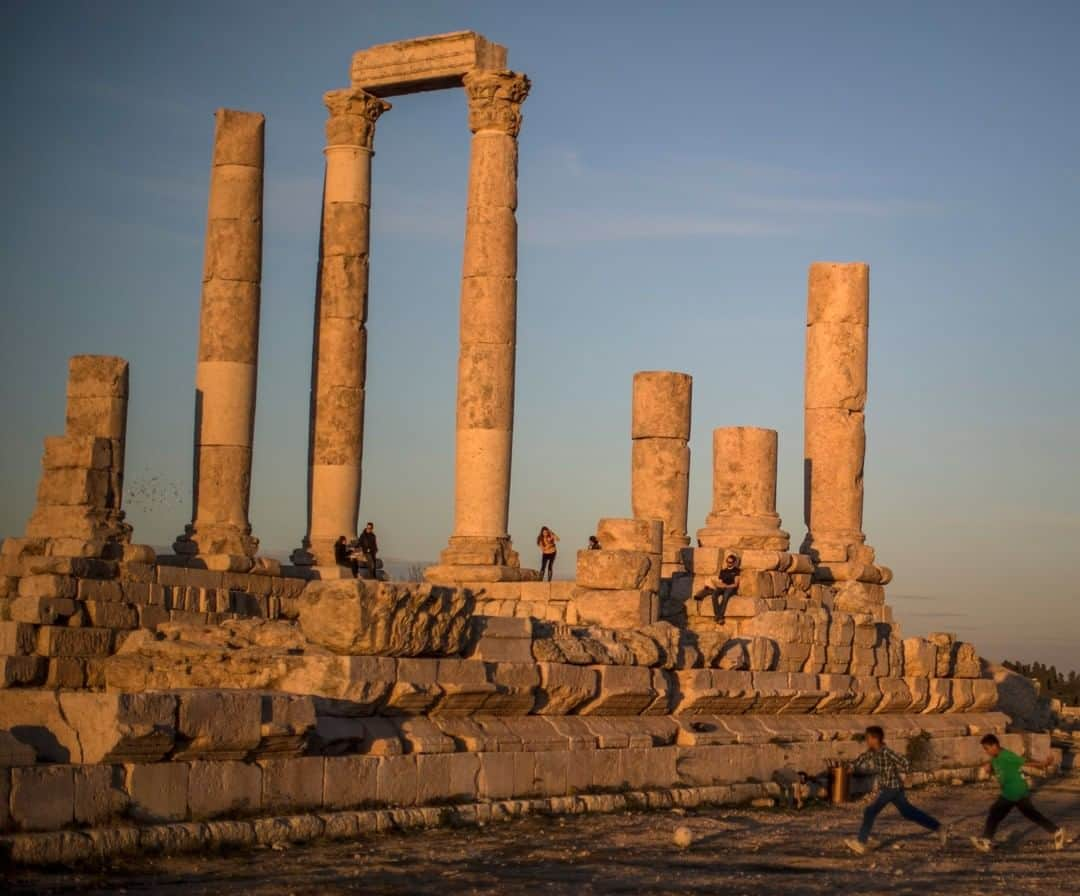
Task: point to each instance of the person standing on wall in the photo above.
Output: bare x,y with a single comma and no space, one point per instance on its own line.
369,547
548,544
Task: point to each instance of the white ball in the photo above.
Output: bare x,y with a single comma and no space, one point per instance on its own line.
683,837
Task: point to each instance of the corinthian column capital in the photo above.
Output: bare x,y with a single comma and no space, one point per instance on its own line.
353,114
495,100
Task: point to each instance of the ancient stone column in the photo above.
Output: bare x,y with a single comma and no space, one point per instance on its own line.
835,438
835,435
339,365
480,548
743,513
660,457
225,376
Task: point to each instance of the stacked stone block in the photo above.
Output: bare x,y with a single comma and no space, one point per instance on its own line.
618,586
82,484
660,457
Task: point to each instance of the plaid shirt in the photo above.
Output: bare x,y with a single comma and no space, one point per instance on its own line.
886,765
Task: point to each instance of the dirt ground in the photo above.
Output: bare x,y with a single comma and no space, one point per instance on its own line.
734,852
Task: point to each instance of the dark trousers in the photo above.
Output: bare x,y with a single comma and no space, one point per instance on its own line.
1003,807
547,561
898,798
370,561
721,598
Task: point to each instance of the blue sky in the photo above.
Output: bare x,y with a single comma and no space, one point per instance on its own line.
681,165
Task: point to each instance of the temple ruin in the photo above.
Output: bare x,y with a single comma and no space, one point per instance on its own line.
216,697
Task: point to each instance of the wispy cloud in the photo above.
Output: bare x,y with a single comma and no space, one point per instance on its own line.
585,226
804,205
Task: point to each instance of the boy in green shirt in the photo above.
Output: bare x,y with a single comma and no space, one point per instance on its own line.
1007,765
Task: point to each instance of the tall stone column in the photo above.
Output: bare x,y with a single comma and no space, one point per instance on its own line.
225,376
660,457
837,333
339,365
744,516
480,548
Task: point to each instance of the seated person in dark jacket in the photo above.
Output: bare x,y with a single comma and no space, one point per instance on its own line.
728,585
369,547
729,576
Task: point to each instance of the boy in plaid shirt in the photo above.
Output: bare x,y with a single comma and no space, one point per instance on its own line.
889,769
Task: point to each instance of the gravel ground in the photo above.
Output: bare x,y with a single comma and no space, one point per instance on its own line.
744,851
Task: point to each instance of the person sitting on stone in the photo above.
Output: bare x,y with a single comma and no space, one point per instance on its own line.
341,552
369,547
729,576
547,542
594,543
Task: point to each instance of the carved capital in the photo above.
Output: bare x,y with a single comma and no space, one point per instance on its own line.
495,100
353,114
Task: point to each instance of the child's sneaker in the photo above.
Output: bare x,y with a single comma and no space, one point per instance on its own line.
856,846
982,844
1059,838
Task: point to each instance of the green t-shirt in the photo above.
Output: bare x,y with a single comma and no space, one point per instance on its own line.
1007,767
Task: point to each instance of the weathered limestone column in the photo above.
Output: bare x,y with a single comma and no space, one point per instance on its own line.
835,436
660,457
225,377
339,365
480,548
743,513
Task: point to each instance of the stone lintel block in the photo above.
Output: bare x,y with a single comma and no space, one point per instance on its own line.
80,452
614,570
42,797
424,63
